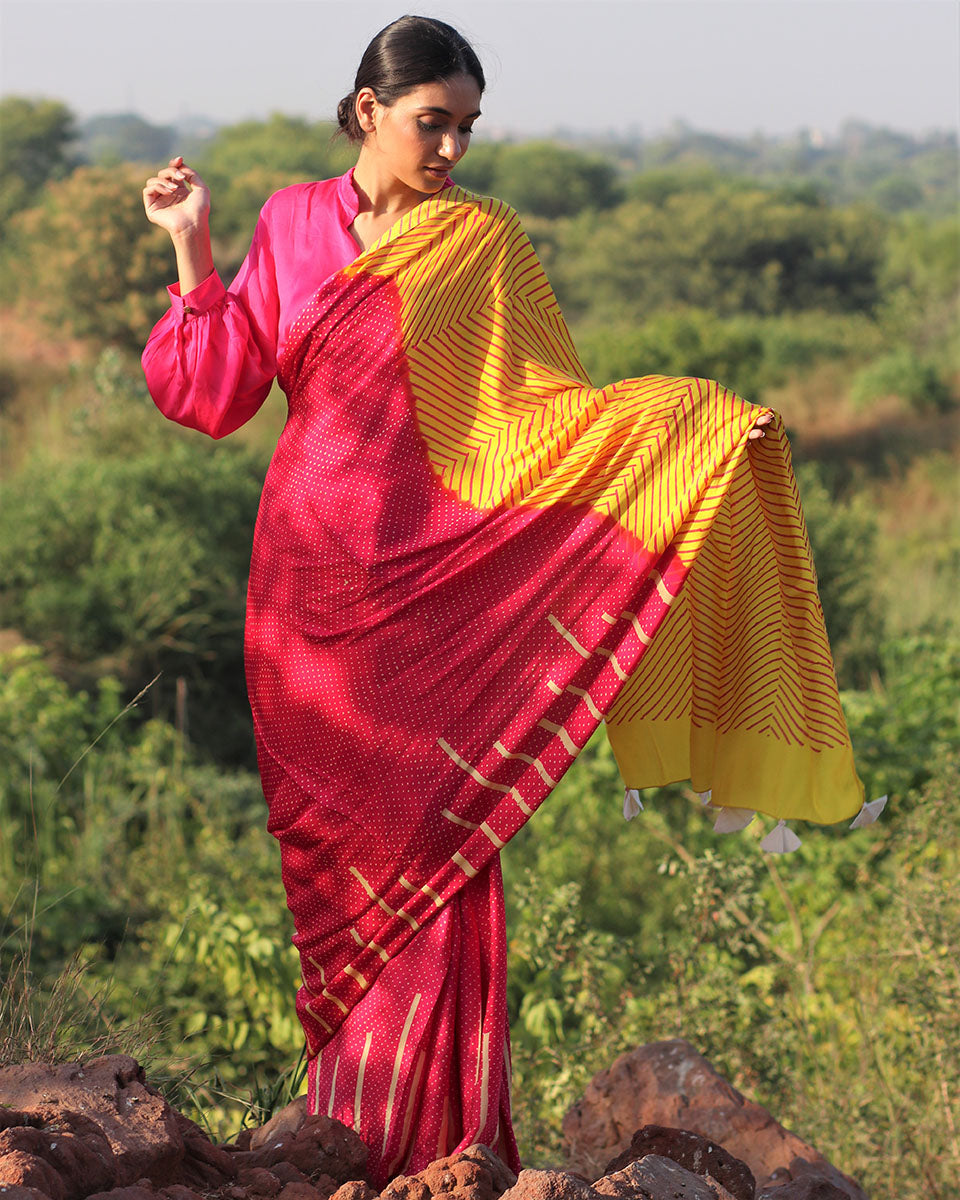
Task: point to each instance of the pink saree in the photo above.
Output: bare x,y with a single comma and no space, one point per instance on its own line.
462,555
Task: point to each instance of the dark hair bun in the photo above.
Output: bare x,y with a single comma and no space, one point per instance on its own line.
347,118
404,55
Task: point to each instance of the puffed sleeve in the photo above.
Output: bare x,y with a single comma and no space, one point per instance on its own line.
211,359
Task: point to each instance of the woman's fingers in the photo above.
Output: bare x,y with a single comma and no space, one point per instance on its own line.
179,173
176,196
756,431
177,179
161,190
156,187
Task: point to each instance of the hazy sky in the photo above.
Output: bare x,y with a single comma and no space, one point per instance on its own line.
724,65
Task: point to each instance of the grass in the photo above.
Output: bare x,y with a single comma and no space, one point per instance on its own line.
918,550
72,1014
66,1018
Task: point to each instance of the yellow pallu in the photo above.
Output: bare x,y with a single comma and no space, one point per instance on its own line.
737,691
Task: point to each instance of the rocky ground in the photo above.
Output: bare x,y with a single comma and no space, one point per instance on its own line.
660,1124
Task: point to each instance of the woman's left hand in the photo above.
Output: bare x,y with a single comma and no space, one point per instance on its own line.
756,431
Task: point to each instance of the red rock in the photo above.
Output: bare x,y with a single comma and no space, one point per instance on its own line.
301,1191
103,1127
286,1172
472,1174
315,1145
143,1190
287,1120
204,1165
258,1182
22,1169
659,1178
804,1187
138,1123
693,1152
406,1187
356,1189
669,1083
73,1146
549,1185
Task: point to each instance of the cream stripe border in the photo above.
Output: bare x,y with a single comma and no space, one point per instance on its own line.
358,1094
401,1046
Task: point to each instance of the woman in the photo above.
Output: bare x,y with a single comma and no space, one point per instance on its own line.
462,554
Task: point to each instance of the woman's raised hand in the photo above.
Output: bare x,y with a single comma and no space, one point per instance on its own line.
176,198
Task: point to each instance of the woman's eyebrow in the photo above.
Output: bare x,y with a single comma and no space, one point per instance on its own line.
445,112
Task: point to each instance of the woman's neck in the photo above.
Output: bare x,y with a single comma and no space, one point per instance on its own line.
379,191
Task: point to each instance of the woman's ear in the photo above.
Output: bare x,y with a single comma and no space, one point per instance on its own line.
367,109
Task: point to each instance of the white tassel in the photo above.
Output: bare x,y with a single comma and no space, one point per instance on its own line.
706,796
868,813
732,820
780,840
631,804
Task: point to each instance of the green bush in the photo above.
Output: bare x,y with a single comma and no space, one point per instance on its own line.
905,375
547,180
131,556
822,984
843,536
134,873
730,252
692,342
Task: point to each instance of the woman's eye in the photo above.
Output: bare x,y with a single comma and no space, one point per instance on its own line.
464,130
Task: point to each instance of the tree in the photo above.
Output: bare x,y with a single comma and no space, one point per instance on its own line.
552,181
920,281
245,163
282,144
729,251
35,136
90,260
477,170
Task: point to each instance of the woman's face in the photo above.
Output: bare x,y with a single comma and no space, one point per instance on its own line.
421,137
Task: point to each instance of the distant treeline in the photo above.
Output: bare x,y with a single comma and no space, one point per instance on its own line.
894,170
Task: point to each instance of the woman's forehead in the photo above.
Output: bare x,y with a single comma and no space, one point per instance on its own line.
458,96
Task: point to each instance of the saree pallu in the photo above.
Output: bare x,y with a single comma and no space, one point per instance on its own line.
466,558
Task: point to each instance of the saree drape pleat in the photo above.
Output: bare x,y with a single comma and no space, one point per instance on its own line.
462,556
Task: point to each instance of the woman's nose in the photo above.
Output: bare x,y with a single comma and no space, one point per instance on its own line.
450,146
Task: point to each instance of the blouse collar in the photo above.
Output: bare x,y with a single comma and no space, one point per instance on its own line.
350,201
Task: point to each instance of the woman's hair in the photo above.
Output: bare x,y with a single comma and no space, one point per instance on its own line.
409,52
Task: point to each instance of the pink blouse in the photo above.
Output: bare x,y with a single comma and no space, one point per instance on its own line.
211,359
